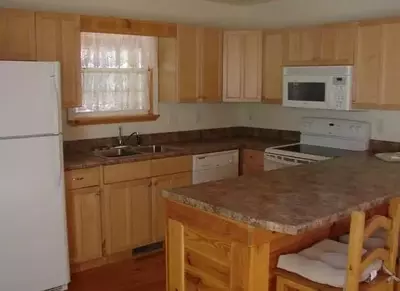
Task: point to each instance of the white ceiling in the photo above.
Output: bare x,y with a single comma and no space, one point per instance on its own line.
276,13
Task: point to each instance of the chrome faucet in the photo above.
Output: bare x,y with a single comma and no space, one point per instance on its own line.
122,141
120,137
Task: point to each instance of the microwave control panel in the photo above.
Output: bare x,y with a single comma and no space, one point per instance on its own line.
341,91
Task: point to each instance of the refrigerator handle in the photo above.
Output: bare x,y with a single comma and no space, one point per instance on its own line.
56,89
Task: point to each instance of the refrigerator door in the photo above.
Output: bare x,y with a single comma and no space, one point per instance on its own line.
33,253
29,103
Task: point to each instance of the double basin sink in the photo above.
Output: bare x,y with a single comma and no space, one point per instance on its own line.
126,150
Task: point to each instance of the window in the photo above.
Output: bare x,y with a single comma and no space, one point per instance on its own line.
117,76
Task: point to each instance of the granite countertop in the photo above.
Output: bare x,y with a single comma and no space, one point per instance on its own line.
296,199
79,160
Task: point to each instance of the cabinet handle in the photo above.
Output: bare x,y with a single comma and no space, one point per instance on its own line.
98,193
103,247
150,184
77,179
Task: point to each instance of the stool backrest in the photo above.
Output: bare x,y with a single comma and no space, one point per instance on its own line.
361,230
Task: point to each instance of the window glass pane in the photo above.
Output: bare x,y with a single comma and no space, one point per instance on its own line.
115,72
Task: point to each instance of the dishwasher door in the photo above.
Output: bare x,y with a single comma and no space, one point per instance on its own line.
215,166
215,174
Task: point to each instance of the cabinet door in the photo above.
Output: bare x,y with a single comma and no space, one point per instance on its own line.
84,224
17,35
252,67
338,44
141,205
368,67
58,39
253,162
167,78
272,67
302,46
390,97
159,184
188,55
232,67
127,219
210,64
117,217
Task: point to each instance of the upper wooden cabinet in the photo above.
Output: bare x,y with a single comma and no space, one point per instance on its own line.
242,66
320,45
378,65
58,39
17,35
272,67
190,65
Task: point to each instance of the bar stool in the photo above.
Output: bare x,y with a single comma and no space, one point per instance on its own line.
358,260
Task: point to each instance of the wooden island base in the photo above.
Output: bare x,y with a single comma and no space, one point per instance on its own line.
209,252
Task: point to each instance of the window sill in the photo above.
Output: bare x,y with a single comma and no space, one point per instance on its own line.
111,119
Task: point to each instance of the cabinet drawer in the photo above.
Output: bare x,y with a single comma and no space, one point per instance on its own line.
82,178
126,172
252,157
171,165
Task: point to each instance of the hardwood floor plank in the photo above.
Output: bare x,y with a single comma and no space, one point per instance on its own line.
147,274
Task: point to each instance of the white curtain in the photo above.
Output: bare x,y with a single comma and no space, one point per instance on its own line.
115,72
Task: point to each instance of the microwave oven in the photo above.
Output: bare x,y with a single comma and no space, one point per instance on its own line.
325,87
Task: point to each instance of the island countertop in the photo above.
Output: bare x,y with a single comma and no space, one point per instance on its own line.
297,199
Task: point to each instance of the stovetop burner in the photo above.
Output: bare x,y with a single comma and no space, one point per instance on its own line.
315,150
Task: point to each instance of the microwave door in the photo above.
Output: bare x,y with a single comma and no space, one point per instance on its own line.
306,92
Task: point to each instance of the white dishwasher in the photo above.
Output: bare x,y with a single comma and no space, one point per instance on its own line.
215,166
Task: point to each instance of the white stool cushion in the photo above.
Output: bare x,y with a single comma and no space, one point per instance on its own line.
377,240
324,263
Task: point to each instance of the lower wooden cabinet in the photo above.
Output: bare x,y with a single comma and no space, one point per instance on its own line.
158,209
252,162
84,224
127,215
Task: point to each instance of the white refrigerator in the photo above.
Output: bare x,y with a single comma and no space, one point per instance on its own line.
33,236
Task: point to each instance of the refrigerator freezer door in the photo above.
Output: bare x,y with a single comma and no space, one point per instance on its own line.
29,99
34,252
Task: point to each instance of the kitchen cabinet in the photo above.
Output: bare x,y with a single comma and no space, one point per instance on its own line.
17,35
320,45
159,184
338,42
252,162
210,89
190,65
377,65
84,224
127,215
187,63
242,66
58,39
272,67
368,66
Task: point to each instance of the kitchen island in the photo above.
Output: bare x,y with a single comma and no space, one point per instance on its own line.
228,235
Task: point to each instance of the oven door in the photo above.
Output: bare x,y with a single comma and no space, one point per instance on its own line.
307,91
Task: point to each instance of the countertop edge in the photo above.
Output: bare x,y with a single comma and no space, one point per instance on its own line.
270,225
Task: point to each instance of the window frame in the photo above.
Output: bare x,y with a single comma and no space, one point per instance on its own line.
92,118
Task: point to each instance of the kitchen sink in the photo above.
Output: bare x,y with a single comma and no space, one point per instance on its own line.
126,151
155,149
119,151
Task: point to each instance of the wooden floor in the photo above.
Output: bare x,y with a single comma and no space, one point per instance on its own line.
147,274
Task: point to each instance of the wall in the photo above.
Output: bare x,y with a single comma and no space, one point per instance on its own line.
274,13
173,117
385,125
